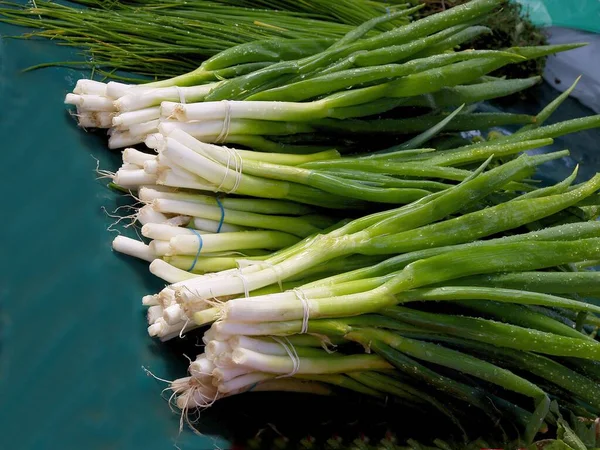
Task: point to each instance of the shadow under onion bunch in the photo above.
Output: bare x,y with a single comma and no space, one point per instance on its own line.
444,279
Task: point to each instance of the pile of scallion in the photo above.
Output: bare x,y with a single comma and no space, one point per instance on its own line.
354,240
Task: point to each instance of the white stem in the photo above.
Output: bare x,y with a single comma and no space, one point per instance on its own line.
115,89
151,167
179,178
253,277
215,349
174,314
155,141
233,284
154,313
261,110
150,300
149,194
180,385
128,119
165,162
211,151
201,366
165,331
129,166
133,178
179,221
169,273
224,361
120,139
91,102
160,248
207,131
144,128
217,152
262,362
198,397
154,96
132,247
167,297
157,187
257,345
223,242
201,166
220,166
133,156
85,86
189,245
244,381
303,365
94,119
270,308
164,232
208,336
147,214
213,225
187,208
223,375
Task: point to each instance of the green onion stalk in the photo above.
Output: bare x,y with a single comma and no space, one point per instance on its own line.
303,82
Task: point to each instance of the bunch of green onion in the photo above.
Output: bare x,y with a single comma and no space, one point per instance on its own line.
509,259
434,272
510,308
258,93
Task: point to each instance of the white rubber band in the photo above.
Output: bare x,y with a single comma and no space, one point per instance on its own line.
242,263
226,170
305,309
222,137
237,159
244,282
277,273
238,171
292,353
181,95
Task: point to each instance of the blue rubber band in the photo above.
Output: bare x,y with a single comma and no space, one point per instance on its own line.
252,387
222,215
199,249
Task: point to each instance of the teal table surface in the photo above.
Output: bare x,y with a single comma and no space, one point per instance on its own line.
72,328
73,339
